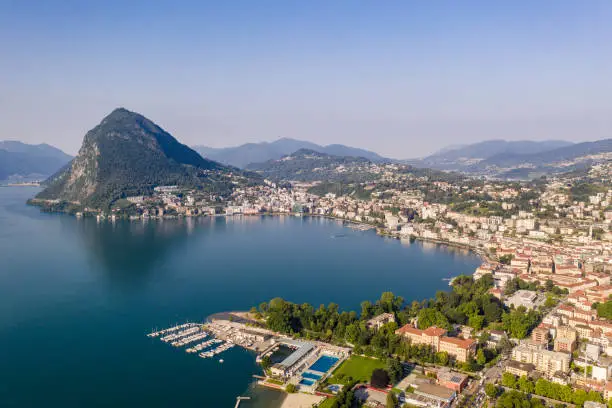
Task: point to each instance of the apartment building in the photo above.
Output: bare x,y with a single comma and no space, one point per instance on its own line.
545,361
539,335
380,320
566,339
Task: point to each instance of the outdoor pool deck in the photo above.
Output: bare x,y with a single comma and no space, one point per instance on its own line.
312,376
324,364
317,371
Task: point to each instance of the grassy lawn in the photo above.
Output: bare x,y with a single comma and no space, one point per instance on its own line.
357,367
326,403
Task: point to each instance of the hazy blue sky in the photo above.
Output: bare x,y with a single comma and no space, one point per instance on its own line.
403,78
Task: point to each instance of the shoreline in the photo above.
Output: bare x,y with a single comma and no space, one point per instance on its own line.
380,231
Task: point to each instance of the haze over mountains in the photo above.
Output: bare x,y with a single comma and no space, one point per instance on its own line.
25,161
129,155
497,158
249,153
490,148
524,159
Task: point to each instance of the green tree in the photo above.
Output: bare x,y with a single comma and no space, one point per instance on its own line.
549,285
525,385
431,317
491,390
476,322
509,380
442,358
291,388
518,322
481,359
604,310
266,362
391,400
380,378
366,309
394,369
550,302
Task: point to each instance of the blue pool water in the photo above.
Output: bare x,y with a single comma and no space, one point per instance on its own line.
323,364
306,381
313,376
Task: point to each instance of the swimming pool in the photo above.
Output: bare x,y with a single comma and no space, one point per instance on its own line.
334,388
324,363
310,375
306,381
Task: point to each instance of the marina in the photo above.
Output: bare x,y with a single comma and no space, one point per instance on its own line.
202,346
305,364
181,334
188,333
217,350
302,363
170,330
190,339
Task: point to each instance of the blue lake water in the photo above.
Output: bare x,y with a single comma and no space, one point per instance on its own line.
77,298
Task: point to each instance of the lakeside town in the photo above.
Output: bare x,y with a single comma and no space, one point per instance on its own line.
539,325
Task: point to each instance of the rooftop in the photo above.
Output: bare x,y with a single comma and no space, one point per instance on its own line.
451,376
520,366
436,391
462,343
303,348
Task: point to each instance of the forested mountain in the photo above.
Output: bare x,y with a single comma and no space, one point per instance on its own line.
127,154
310,165
246,154
19,159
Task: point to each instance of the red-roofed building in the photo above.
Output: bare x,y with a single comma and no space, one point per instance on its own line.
496,292
435,337
460,348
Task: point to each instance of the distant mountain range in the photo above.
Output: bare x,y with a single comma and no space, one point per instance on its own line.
246,154
520,159
311,165
128,155
487,149
21,160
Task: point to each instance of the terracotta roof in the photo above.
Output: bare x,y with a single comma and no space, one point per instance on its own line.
434,331
464,344
409,329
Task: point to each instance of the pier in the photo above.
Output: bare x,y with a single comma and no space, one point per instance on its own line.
238,399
